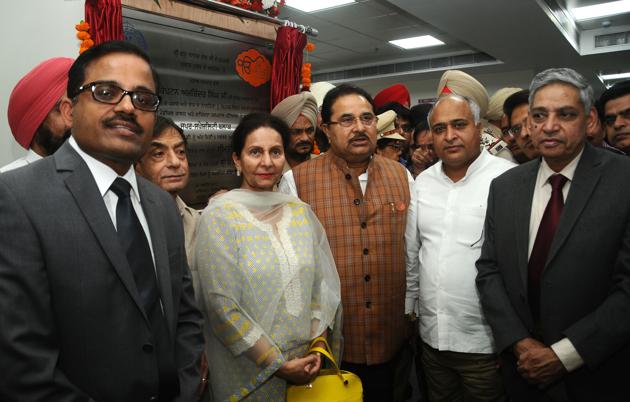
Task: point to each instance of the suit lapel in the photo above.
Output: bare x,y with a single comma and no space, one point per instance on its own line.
586,177
522,214
150,207
82,186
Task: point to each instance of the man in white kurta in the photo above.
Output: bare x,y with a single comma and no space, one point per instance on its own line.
443,238
33,111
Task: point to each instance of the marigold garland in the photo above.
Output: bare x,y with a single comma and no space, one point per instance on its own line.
84,36
306,68
306,76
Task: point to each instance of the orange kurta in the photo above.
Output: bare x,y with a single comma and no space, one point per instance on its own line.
366,235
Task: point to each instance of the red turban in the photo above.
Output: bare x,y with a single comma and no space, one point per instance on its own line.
395,93
35,95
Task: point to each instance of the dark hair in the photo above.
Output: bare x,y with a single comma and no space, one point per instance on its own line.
420,127
338,92
420,112
322,141
616,91
254,121
384,142
513,101
76,75
401,111
162,123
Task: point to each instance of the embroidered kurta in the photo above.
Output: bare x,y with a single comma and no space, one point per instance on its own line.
266,275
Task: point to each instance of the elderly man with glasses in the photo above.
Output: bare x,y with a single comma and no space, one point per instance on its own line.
362,200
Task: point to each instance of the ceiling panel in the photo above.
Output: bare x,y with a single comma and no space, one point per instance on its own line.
517,32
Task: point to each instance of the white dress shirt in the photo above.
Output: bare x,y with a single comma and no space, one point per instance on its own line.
104,177
564,349
443,237
30,157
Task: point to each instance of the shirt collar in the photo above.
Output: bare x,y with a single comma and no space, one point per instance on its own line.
103,174
183,208
32,156
477,164
568,171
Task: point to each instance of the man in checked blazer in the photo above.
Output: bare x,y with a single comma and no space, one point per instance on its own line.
72,322
563,325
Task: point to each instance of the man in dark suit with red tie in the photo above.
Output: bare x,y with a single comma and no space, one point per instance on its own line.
554,272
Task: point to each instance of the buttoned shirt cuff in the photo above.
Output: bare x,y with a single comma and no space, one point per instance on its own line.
570,358
411,305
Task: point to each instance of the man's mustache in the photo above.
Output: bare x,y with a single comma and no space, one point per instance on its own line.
131,120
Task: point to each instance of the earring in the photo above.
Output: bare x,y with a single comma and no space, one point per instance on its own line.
238,171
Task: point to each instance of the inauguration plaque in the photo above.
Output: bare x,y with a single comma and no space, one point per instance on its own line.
209,80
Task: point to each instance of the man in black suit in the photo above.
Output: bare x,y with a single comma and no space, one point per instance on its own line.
554,277
96,296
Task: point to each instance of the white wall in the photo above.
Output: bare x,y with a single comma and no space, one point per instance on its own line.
32,31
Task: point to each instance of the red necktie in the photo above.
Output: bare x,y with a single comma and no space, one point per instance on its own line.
544,237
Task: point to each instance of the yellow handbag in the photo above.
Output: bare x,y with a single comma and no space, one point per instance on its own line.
330,385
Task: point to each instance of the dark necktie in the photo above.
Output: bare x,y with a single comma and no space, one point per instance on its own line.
542,244
136,247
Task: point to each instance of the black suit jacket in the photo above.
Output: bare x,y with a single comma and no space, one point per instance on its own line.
71,325
585,288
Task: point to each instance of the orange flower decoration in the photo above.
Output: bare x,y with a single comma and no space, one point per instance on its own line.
82,26
306,76
310,46
253,67
84,36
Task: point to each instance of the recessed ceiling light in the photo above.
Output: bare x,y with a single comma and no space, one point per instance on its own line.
416,42
312,5
619,76
601,10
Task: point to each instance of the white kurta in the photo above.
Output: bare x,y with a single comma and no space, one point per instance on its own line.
443,238
30,157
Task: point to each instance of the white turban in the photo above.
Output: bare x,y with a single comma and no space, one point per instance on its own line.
319,91
495,106
462,84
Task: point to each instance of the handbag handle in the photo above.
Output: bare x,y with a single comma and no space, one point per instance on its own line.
326,352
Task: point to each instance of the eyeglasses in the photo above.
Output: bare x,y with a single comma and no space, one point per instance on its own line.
610,119
297,131
112,94
367,119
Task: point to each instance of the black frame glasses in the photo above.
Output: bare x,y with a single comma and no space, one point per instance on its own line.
367,119
112,94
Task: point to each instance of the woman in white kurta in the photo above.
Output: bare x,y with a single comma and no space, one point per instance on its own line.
267,277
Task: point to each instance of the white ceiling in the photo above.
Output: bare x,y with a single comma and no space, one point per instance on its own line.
518,33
